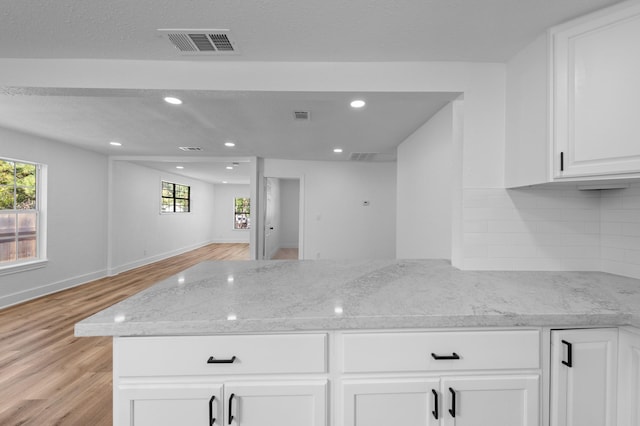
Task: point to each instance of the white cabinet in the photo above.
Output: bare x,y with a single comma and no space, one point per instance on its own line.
158,404
596,94
583,377
629,377
572,102
277,403
243,380
443,378
383,402
502,400
231,404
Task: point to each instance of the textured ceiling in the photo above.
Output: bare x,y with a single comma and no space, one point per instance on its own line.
260,123
285,30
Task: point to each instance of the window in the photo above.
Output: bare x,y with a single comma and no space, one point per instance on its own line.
176,198
242,213
19,212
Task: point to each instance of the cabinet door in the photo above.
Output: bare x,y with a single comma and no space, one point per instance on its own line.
169,404
491,400
583,377
406,402
629,378
596,94
276,403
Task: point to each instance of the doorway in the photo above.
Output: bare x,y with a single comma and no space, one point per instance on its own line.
282,219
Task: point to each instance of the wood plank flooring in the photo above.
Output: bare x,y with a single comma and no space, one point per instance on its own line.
50,377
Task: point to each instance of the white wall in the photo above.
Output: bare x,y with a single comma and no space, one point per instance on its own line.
289,212
77,217
223,213
526,146
336,224
425,187
140,234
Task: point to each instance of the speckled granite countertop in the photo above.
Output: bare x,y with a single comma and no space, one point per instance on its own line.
279,296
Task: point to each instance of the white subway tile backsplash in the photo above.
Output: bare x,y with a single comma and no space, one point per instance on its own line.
552,229
631,202
471,226
631,229
505,226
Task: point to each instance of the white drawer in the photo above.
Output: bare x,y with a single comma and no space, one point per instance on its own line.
399,352
205,355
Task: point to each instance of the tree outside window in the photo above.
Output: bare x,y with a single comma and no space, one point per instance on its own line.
176,198
18,211
242,213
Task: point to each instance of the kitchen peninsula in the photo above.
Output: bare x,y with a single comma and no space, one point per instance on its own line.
335,342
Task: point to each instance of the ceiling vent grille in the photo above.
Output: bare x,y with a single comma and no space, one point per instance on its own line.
202,42
363,156
302,115
191,148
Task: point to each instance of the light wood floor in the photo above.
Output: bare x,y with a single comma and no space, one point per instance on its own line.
286,253
50,377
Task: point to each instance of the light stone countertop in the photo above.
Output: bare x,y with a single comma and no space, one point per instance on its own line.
279,296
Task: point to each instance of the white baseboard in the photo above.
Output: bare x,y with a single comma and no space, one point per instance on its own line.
115,270
231,241
33,293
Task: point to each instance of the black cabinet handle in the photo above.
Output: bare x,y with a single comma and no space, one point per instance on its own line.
212,360
212,419
439,357
435,404
452,410
569,361
230,406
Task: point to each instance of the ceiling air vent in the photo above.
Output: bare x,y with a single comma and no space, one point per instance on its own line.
202,42
190,148
363,156
302,115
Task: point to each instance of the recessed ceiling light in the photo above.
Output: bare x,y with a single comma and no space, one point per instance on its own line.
180,167
172,100
337,150
229,167
224,181
114,143
229,144
358,103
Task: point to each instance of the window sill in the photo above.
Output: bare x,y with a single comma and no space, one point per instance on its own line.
22,267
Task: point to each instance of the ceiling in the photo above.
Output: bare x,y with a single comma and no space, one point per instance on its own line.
285,30
260,123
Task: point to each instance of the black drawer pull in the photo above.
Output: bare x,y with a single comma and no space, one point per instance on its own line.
439,357
212,419
435,404
452,410
230,408
212,360
569,361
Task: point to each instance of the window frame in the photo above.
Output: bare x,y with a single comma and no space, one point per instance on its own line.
235,213
174,198
40,259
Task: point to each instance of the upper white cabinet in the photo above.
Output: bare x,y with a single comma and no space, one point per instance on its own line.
596,95
573,98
